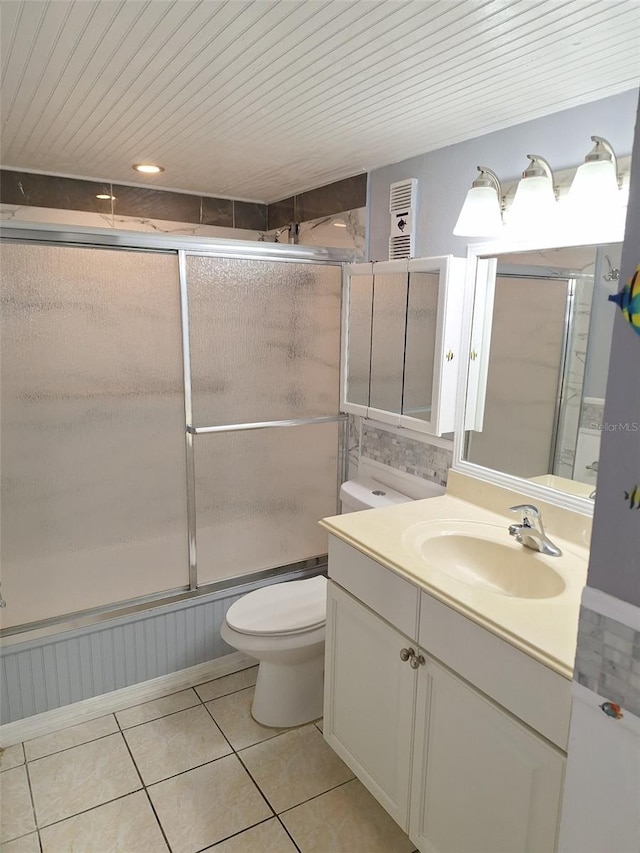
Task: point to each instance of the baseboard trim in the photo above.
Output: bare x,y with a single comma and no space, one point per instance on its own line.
118,700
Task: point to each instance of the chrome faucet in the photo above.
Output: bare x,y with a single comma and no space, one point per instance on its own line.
530,532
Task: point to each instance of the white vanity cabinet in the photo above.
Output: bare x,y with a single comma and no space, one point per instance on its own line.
401,339
457,770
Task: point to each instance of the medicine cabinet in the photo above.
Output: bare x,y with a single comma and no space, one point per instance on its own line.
402,341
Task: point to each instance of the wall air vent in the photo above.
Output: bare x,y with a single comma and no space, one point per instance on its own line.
402,205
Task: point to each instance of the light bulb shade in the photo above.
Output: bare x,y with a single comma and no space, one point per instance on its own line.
480,214
595,186
534,205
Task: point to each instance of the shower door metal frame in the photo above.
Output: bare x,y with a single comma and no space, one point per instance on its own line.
54,235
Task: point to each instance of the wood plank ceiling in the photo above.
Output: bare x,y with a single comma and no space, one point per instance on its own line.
263,99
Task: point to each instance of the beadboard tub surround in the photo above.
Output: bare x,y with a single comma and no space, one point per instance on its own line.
46,673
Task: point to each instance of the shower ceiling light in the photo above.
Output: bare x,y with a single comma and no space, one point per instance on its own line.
148,168
481,212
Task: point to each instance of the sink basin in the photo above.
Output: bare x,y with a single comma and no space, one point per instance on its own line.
483,555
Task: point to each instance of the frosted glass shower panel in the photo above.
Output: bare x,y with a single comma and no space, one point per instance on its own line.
265,339
260,495
93,471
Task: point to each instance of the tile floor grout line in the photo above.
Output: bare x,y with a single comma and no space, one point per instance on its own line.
67,748
155,719
293,841
235,835
90,809
316,796
144,788
33,801
262,793
234,751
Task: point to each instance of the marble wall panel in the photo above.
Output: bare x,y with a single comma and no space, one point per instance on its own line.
19,213
347,194
33,190
24,190
156,204
249,214
217,211
608,659
281,213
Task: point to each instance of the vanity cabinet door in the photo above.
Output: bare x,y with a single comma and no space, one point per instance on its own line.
369,700
482,782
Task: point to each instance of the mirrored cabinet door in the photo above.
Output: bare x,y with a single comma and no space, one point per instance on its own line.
420,348
411,318
387,340
358,337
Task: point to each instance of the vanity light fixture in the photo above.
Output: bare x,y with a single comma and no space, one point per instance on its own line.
148,168
105,197
597,183
481,212
534,204
340,224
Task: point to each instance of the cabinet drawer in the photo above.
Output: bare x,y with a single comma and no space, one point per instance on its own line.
391,596
506,674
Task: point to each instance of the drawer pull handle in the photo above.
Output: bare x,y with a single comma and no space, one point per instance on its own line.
416,661
407,654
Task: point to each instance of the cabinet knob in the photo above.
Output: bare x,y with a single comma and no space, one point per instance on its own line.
407,654
417,661
449,356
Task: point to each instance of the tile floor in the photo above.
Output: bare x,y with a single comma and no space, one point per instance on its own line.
191,771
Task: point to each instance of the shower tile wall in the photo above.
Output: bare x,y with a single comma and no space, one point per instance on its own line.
608,659
28,197
348,194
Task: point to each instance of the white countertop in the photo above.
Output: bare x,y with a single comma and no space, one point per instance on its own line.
544,628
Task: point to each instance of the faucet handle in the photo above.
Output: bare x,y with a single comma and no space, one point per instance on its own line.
527,510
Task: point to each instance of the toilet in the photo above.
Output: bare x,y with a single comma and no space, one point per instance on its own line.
282,625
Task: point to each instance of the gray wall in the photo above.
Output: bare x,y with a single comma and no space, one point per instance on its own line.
445,175
614,565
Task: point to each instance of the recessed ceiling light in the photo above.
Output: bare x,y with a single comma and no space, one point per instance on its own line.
105,196
148,168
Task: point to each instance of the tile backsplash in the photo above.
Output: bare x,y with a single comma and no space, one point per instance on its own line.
404,453
608,659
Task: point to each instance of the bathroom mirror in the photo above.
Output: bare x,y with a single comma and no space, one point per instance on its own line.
540,335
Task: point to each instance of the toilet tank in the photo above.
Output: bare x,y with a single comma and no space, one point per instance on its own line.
365,493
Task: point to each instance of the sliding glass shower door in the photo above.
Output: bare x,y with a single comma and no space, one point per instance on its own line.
264,346
169,420
93,460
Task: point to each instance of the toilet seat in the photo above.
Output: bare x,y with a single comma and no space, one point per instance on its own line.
292,607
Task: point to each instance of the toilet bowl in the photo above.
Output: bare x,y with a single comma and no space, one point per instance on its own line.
283,627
